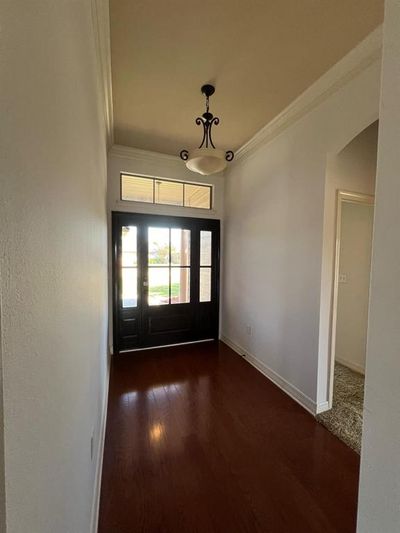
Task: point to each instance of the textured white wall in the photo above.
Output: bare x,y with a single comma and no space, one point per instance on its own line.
53,234
274,209
379,497
353,294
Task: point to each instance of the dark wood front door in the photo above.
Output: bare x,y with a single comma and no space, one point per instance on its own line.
166,280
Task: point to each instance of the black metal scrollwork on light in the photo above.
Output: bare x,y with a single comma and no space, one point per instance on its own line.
207,120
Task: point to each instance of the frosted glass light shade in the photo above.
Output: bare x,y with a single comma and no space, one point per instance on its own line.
206,161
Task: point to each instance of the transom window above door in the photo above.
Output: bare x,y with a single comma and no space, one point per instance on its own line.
165,192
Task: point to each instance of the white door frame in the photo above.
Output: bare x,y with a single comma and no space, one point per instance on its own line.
341,198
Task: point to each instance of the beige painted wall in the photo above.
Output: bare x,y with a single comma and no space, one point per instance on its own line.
53,262
353,288
379,495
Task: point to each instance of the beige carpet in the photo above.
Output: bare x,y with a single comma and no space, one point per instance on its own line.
346,416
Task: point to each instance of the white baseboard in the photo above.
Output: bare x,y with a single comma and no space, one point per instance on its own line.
322,407
94,522
353,366
307,403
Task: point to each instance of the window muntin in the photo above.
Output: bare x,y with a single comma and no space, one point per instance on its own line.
165,192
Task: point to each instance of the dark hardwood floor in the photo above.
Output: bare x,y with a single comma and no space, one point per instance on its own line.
198,440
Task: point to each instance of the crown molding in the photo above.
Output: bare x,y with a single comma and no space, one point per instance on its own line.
128,152
101,31
360,58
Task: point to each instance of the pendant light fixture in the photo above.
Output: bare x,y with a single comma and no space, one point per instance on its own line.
206,159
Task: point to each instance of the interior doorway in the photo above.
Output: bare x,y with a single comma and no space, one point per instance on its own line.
352,277
354,226
165,280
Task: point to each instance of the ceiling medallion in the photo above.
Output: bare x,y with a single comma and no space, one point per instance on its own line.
206,159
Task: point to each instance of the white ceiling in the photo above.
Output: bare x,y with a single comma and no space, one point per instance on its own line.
260,54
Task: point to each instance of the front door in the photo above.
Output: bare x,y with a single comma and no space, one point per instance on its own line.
166,280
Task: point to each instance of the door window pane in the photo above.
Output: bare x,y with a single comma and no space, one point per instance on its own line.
158,246
205,284
197,196
158,286
129,245
129,287
205,248
135,188
129,259
180,247
168,192
180,285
